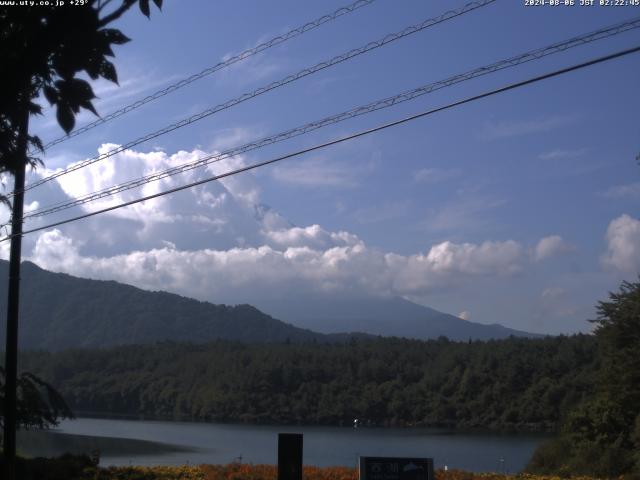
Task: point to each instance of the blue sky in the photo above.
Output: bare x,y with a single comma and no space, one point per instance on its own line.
520,209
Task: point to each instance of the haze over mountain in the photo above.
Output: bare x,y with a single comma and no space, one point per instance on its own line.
61,311
239,250
393,316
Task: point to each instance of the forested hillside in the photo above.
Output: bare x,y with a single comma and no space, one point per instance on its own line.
514,383
601,435
60,311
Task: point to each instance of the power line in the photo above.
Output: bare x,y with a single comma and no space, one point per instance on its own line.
284,81
599,34
214,68
343,139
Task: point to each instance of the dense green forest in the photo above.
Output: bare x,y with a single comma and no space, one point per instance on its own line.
600,436
503,384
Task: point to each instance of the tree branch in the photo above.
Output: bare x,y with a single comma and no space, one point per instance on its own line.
126,5
102,5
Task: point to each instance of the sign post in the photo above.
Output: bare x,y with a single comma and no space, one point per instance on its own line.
289,456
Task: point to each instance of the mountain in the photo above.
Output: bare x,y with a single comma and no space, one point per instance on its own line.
393,316
58,311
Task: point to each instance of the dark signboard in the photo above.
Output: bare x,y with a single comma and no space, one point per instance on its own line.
396,468
289,456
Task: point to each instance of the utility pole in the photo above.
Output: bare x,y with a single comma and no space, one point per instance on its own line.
13,303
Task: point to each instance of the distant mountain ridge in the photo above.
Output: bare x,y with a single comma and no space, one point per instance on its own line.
59,311
386,317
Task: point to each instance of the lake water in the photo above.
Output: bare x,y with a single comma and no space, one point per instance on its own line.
132,442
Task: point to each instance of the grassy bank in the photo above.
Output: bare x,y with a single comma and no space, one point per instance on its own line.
82,468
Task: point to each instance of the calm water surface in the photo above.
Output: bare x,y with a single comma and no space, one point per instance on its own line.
130,442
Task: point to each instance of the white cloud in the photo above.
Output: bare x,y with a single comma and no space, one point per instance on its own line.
5,249
312,236
317,172
630,190
227,138
623,245
551,293
499,130
463,213
132,85
447,263
488,257
131,164
31,206
555,302
308,259
251,70
550,246
465,315
435,175
559,154
109,96
217,242
209,206
382,212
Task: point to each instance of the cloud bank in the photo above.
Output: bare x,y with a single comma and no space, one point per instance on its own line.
623,245
299,260
217,242
550,247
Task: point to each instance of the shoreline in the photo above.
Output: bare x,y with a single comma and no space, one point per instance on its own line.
174,443
506,430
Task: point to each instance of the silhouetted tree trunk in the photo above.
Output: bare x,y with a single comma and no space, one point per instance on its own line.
43,50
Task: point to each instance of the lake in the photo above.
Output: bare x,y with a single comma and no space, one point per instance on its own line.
136,442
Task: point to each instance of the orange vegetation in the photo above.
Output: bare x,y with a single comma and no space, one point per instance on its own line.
236,471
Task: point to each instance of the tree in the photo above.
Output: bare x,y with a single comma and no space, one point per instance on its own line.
39,405
601,436
44,50
618,333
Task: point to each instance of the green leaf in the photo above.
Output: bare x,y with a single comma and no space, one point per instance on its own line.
92,66
89,106
108,71
73,92
51,94
144,8
36,142
114,36
35,109
65,117
108,52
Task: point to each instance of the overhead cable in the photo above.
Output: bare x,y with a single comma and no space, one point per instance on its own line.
536,54
259,91
214,68
511,86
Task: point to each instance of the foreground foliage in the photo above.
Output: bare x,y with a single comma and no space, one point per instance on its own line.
39,404
507,384
46,51
82,468
601,436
